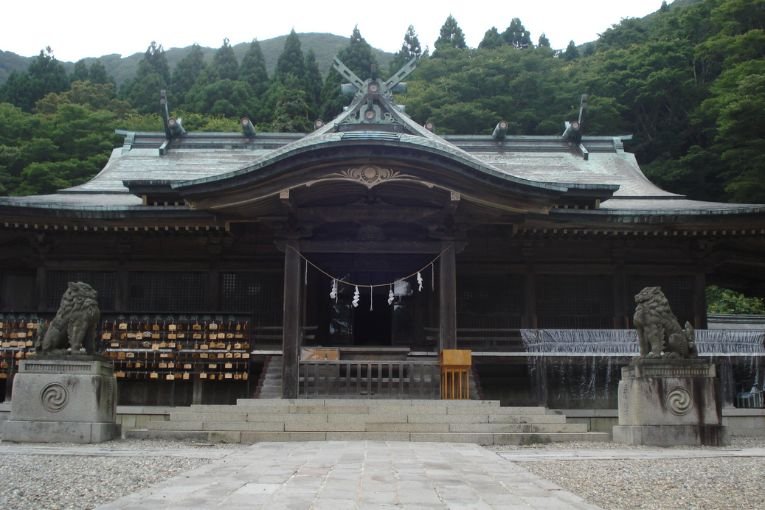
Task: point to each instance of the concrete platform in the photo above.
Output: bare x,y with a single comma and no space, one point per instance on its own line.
361,475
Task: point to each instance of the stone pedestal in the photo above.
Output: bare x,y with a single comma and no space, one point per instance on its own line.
669,402
63,400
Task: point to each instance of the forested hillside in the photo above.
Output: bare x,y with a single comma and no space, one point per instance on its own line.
123,68
687,81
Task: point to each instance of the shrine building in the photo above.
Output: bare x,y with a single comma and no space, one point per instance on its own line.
371,240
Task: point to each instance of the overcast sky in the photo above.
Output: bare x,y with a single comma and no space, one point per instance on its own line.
90,28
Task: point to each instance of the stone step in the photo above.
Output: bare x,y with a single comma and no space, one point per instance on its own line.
363,414
453,437
518,427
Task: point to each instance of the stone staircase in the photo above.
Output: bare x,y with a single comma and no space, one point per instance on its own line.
270,384
467,421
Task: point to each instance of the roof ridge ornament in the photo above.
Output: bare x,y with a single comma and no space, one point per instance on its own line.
173,126
573,130
372,98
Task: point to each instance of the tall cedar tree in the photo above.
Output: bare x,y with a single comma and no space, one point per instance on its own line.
153,75
359,59
253,69
516,35
291,61
544,42
409,49
313,82
224,64
186,74
450,36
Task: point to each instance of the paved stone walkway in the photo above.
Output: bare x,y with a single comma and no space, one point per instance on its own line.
338,475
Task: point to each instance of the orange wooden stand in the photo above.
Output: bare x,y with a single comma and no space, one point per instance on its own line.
455,368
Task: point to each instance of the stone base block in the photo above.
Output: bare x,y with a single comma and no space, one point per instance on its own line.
667,402
69,399
59,432
670,435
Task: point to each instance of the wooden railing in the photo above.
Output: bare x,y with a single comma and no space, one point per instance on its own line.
369,379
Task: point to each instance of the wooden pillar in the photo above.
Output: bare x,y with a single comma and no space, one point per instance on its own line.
291,320
621,308
447,312
41,284
529,319
700,300
123,289
213,288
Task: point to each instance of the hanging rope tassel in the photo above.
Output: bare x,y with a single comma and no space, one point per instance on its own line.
356,295
333,292
371,288
419,281
306,274
432,277
391,295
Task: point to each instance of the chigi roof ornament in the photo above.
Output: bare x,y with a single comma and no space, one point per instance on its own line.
372,98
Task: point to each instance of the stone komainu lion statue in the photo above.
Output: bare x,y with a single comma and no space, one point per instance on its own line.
75,322
659,333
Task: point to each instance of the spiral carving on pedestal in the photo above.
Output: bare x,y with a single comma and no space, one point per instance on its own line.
679,401
54,397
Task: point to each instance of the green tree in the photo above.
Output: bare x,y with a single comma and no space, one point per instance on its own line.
96,96
544,42
409,49
313,82
80,71
153,75
98,74
450,36
516,35
470,91
253,69
726,301
187,72
44,75
229,98
737,102
359,58
571,52
291,61
292,111
491,39
224,65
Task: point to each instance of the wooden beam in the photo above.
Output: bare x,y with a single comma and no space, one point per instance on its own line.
351,246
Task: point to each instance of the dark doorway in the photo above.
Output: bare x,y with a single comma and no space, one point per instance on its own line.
373,327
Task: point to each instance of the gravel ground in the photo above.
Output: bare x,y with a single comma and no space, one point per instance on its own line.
698,483
87,479
734,483
85,476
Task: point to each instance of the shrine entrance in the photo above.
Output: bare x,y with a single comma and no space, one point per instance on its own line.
389,310
373,325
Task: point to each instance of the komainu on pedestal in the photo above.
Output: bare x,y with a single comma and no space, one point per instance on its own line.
659,332
75,323
64,394
667,396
